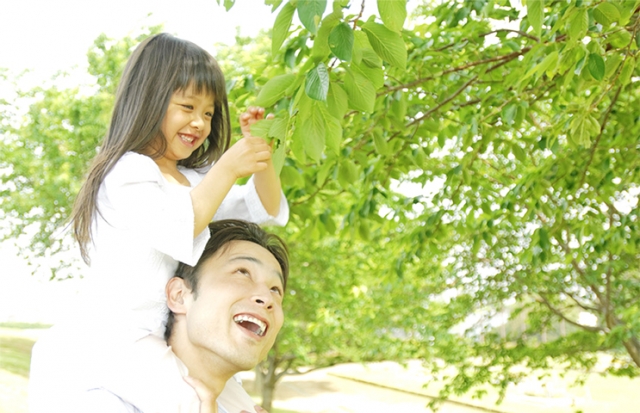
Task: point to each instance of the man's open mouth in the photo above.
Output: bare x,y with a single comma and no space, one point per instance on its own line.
251,323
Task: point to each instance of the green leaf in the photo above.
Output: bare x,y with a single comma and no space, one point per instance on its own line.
544,238
380,143
341,41
612,64
375,75
291,177
317,83
278,129
620,39
311,125
393,13
360,90
297,145
273,3
595,65
321,42
582,127
627,71
228,4
509,113
347,173
310,13
333,131
606,13
337,101
387,44
281,27
278,157
370,59
535,13
399,106
549,64
323,172
519,153
274,90
578,24
261,128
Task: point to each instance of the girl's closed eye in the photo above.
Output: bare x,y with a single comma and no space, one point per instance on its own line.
187,107
277,290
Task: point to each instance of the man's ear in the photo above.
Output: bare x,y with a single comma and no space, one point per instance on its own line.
177,292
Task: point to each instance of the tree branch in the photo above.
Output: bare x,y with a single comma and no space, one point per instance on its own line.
444,102
580,304
506,58
355,21
521,33
567,319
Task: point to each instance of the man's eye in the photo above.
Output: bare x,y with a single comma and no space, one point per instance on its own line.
243,271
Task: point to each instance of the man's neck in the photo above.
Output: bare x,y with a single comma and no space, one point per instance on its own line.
214,374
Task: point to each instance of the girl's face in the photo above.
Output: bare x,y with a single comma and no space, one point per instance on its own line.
187,123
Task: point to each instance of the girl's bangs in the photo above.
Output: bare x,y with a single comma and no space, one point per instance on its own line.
200,71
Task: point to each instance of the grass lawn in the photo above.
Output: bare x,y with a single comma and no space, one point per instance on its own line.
15,355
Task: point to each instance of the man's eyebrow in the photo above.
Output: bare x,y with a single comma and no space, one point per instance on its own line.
257,261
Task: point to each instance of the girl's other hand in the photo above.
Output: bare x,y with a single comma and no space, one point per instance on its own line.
251,116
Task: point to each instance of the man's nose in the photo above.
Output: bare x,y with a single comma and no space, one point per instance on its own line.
263,297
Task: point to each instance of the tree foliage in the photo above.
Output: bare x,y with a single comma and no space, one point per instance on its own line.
524,121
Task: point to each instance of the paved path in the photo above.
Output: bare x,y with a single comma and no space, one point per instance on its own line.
321,392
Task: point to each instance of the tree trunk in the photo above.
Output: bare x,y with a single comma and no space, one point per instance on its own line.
266,378
268,388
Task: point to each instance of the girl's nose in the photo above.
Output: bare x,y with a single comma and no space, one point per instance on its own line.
198,122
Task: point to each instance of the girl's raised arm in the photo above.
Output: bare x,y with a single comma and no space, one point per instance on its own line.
250,155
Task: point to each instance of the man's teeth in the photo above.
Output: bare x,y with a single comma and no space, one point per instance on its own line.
261,326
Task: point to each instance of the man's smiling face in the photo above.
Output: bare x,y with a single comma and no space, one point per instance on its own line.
236,314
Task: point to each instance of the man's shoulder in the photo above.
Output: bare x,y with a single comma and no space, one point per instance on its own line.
101,400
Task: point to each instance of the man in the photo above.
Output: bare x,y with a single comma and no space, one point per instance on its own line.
225,314
227,310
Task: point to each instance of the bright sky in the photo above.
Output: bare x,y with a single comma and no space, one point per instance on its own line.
47,36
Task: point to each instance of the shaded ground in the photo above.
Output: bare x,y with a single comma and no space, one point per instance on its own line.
376,387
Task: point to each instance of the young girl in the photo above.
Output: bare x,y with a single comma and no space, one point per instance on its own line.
149,195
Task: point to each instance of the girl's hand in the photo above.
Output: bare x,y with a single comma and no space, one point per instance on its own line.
259,409
247,156
208,402
251,116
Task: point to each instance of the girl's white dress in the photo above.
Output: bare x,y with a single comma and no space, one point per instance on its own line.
115,341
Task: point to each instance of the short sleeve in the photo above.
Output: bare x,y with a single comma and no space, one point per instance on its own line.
243,202
152,210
